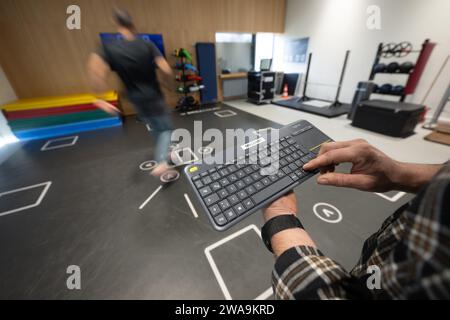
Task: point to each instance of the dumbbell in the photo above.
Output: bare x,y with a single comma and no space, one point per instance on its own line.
385,88
406,67
398,90
379,68
393,67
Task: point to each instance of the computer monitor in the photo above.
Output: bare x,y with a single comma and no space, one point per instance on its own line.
265,64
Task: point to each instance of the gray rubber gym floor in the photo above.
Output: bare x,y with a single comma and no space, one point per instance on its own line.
87,197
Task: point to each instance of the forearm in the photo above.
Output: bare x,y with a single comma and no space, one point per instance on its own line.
98,84
411,177
290,238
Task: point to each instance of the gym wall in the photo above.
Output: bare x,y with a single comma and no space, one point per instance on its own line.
335,26
7,93
41,57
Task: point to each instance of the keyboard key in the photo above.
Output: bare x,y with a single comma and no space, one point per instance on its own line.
240,174
216,186
248,180
248,170
256,176
242,195
273,177
215,176
248,203
287,170
240,185
233,199
230,215
232,177
250,190
239,208
294,177
224,172
223,193
224,182
258,185
268,192
224,205
232,188
199,184
220,220
204,174
232,168
293,166
215,210
265,181
211,199
207,180
205,191
195,178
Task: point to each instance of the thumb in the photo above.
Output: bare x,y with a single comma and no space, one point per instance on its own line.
356,181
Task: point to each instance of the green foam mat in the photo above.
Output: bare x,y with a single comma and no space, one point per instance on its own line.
23,124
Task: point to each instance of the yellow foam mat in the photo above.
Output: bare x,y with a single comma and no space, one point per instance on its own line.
60,101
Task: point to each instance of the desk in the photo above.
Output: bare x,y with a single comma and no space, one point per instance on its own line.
230,76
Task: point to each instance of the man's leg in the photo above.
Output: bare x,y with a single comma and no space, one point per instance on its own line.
162,129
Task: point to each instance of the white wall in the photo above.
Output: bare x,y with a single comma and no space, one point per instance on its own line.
337,25
6,95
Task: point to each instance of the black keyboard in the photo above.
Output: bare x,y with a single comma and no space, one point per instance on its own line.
228,193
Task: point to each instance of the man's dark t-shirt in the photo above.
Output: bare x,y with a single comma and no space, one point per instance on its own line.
134,62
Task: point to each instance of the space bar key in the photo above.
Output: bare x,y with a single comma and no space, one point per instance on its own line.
271,190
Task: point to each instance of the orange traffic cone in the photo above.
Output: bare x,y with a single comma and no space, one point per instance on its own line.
285,92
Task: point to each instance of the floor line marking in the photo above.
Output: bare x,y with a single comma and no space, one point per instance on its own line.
213,265
265,295
150,198
38,201
194,212
394,198
46,147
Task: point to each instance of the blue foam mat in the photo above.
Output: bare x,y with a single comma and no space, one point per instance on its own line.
60,130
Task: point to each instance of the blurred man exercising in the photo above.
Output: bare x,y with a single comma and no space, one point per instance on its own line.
135,61
411,249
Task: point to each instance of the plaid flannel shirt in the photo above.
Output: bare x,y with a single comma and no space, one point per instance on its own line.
411,250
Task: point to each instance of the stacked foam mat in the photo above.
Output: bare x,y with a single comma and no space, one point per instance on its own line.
40,118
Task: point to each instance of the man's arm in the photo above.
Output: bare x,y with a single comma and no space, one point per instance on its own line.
301,270
168,78
97,70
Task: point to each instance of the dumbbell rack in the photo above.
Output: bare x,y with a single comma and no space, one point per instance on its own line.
182,107
413,76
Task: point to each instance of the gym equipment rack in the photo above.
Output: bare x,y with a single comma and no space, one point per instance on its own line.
403,49
186,102
336,102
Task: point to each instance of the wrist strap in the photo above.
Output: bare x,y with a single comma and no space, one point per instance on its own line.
278,224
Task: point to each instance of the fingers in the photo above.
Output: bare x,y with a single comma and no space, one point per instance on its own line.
356,181
331,158
334,145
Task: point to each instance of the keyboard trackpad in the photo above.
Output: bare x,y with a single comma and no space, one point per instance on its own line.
312,138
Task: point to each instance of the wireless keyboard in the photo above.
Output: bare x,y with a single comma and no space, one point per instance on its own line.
231,192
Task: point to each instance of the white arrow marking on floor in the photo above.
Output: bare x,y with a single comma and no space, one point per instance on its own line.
328,213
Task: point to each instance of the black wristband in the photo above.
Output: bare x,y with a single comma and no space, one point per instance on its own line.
277,224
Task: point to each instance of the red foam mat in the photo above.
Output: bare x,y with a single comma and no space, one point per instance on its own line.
35,113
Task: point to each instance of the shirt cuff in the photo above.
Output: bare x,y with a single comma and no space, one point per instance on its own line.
292,255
